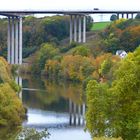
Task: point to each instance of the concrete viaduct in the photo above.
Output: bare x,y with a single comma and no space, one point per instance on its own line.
77,29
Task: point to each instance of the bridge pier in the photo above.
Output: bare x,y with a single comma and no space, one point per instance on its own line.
9,41
76,28
127,16
79,29
118,16
71,28
14,40
122,15
84,29
132,16
20,40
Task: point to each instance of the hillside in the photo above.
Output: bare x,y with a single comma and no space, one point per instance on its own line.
99,26
37,31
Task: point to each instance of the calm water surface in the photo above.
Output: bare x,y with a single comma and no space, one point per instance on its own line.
57,106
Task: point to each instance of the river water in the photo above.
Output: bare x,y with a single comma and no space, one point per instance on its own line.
57,106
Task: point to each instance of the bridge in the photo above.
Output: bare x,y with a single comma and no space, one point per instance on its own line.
77,26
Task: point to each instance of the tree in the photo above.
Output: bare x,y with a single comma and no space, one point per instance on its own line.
137,16
113,111
9,102
81,50
113,18
9,105
104,67
77,67
32,134
47,51
97,104
122,35
125,90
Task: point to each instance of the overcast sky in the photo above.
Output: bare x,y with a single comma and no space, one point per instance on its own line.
69,5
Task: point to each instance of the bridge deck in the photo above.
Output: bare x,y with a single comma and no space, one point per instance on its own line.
17,12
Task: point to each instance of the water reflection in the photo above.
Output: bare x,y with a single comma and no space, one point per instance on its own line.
60,107
18,80
76,113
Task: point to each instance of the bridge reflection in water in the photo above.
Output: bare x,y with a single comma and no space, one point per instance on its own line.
18,80
76,114
64,111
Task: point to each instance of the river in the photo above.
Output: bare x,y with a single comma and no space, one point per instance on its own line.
57,106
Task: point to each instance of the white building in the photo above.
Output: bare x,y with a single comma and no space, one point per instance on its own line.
121,53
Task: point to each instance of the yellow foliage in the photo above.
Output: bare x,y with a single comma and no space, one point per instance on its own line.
119,21
74,66
98,63
4,70
11,109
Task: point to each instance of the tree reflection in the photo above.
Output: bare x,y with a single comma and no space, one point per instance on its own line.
51,94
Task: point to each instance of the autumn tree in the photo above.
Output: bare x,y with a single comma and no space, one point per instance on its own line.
12,111
125,90
80,50
77,67
46,52
113,110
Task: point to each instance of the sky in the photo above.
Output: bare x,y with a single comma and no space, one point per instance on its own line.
70,5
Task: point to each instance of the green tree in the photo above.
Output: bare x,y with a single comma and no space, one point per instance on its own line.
9,105
97,104
9,102
114,111
32,134
113,17
80,50
77,67
137,16
47,51
126,89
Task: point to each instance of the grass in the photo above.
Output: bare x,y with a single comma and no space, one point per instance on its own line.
99,26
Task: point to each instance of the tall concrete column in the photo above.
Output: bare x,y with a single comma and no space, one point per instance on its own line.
9,41
127,15
17,42
84,29
20,40
71,29
13,43
122,15
79,39
132,16
117,15
75,28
